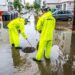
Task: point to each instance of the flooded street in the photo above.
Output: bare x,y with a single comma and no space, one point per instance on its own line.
16,62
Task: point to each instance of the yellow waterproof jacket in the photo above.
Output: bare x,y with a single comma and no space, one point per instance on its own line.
46,25
18,23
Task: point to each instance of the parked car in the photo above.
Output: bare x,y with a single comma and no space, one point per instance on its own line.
73,12
63,15
54,9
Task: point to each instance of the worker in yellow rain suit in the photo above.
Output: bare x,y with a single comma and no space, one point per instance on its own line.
45,24
13,27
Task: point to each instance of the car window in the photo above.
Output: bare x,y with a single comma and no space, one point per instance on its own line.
60,12
67,12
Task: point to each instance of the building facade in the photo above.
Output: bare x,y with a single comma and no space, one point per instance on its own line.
67,4
5,5
61,4
50,3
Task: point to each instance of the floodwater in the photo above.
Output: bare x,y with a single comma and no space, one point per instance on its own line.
16,62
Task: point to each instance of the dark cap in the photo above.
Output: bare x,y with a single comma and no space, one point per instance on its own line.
26,19
45,9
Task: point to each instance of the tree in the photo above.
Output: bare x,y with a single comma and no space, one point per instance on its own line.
27,5
17,5
36,6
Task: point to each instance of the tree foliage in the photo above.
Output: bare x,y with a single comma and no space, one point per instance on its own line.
36,7
27,6
17,5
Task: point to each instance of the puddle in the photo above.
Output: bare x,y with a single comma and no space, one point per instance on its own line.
19,62
63,40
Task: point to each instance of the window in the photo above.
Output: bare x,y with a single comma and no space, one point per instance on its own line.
69,3
58,6
60,12
67,12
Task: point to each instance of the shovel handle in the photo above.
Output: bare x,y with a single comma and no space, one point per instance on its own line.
29,42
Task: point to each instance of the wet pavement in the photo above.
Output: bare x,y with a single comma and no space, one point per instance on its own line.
16,62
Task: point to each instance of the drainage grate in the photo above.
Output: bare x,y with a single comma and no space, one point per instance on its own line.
28,49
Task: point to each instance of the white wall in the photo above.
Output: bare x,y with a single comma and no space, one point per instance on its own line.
3,2
51,1
3,8
65,0
56,1
68,6
3,5
51,6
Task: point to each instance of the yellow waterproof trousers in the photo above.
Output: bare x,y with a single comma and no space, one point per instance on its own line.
14,37
44,45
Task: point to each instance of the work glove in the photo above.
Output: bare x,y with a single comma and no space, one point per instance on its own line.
19,31
39,31
26,38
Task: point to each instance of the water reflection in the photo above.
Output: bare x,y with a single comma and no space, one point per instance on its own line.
72,52
48,67
20,61
69,65
58,67
44,69
67,68
17,61
26,66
